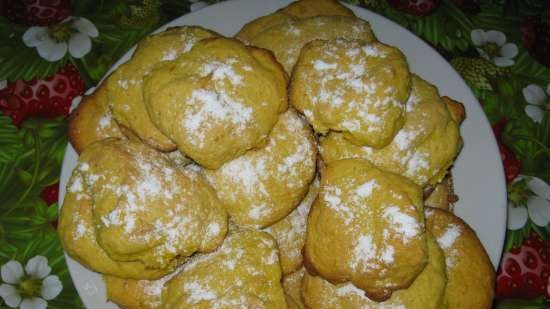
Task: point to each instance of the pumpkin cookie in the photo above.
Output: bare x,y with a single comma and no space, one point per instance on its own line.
426,292
295,10
357,88
143,207
366,226
264,185
77,235
292,285
287,39
290,232
136,294
422,150
243,273
92,120
470,272
125,85
218,100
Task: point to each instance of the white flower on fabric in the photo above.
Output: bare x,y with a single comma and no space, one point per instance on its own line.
538,101
529,197
197,5
492,46
29,288
72,34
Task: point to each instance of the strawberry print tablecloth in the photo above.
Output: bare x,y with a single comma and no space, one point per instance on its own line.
51,52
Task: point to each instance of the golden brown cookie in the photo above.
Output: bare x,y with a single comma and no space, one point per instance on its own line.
218,100
290,232
456,109
287,39
295,10
77,236
366,227
426,292
243,273
470,272
441,195
353,87
92,120
258,25
422,150
264,185
292,285
136,294
310,8
125,85
144,208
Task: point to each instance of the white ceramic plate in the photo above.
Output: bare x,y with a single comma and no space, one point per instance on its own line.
478,173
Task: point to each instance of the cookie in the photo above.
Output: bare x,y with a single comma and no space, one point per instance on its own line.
143,207
264,185
356,88
296,10
125,85
218,100
426,292
287,39
290,232
366,227
92,121
136,294
243,273
292,285
471,277
422,150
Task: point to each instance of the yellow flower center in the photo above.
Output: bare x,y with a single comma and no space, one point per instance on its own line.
62,32
30,287
492,49
519,193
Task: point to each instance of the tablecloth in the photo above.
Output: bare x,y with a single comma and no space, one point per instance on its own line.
51,52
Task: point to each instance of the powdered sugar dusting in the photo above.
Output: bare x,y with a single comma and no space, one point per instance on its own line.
373,51
209,106
449,237
332,196
404,138
170,54
198,292
105,121
222,71
387,254
404,224
365,190
349,289
364,252
320,65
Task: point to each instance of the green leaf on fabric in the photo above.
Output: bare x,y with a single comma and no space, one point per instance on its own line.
538,303
10,140
531,142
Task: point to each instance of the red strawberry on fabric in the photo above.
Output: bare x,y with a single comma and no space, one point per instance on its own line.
535,34
498,127
512,165
524,271
49,97
50,193
37,12
471,6
415,7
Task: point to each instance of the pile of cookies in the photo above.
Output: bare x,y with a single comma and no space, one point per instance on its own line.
287,167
